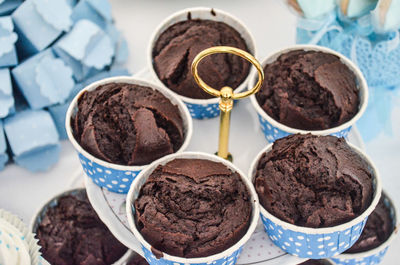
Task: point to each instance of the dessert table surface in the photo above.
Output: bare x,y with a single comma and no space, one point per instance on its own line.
273,27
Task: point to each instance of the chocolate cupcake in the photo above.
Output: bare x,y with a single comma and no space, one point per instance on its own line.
309,90
313,181
71,233
193,208
127,124
378,229
376,237
176,47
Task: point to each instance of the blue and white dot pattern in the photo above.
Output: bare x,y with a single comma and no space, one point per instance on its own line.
272,133
203,111
313,246
369,260
228,260
113,180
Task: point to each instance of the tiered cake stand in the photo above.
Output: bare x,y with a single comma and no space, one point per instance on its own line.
246,132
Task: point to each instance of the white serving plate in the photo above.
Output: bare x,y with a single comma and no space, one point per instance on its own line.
246,140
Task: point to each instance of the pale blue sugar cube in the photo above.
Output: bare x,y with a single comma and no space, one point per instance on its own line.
87,49
44,80
8,6
120,44
6,93
72,3
8,53
33,139
97,11
3,147
41,22
58,113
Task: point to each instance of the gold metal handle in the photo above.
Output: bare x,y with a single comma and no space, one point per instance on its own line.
226,93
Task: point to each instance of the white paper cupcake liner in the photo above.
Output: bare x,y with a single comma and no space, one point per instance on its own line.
317,243
201,108
27,236
227,257
37,219
274,130
114,177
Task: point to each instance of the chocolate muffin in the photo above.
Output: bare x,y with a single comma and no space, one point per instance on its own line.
71,233
176,47
127,124
193,208
377,230
309,90
315,262
137,260
313,181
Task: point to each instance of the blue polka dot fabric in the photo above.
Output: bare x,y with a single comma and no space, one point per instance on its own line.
203,111
273,133
312,246
228,260
113,180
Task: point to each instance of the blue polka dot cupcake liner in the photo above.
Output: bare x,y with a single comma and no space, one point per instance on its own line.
201,108
17,244
274,130
37,219
373,256
114,177
227,257
316,243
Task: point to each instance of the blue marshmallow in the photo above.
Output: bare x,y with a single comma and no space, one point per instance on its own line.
8,6
44,80
3,147
8,53
87,49
6,93
41,22
33,139
97,11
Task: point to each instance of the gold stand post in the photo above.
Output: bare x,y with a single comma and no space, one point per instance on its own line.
226,93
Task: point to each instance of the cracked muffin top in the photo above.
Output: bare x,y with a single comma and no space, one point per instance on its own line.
127,124
71,233
309,90
193,208
176,47
313,181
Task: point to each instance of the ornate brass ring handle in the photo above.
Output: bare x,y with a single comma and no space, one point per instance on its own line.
226,93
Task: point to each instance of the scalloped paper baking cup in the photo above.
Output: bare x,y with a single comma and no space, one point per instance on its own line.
227,257
17,242
201,108
37,219
317,243
273,129
373,256
114,177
